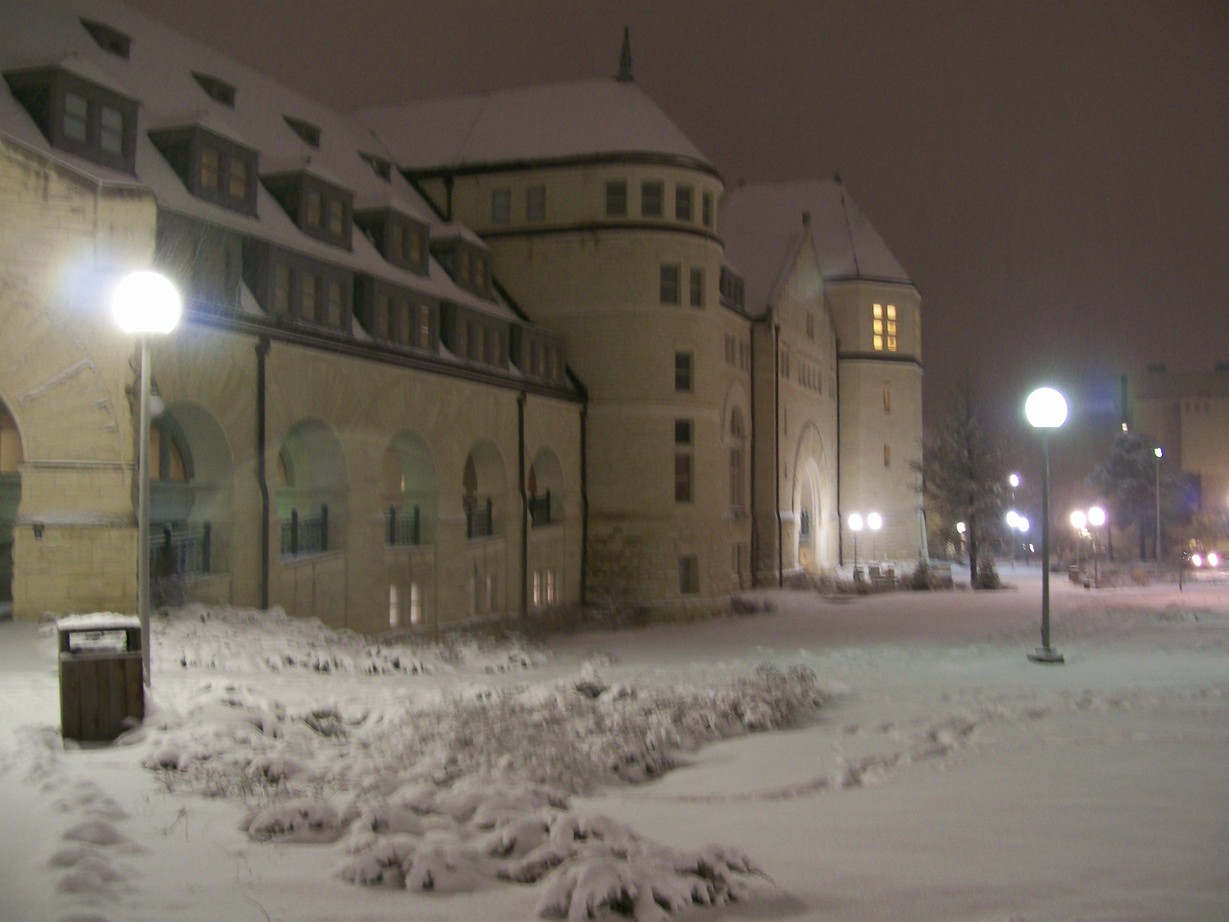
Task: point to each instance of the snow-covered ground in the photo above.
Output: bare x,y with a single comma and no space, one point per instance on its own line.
884,757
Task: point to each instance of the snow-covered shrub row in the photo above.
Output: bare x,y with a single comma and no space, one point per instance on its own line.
571,736
480,831
252,640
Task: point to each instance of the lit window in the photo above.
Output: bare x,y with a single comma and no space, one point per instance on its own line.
394,607
281,290
883,321
314,208
311,297
501,206
76,117
550,587
210,162
415,604
651,195
237,178
337,217
424,326
334,303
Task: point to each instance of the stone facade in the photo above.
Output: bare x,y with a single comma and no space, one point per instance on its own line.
419,384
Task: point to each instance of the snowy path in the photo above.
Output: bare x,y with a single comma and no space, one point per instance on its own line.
947,777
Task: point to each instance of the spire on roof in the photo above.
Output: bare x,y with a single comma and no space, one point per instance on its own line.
625,59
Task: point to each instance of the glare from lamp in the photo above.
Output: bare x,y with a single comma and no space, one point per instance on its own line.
1045,408
146,302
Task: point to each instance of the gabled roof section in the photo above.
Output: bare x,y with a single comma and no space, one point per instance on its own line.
592,118
762,225
162,71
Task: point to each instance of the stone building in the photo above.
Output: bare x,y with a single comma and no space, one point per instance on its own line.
455,359
1188,413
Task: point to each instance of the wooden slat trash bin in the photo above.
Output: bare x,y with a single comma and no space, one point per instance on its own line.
101,689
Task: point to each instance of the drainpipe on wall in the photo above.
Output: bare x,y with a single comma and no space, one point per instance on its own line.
262,351
840,534
755,531
776,450
520,464
584,502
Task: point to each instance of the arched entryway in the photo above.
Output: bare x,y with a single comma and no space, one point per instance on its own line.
311,490
191,505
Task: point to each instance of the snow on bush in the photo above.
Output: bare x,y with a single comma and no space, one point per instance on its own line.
448,791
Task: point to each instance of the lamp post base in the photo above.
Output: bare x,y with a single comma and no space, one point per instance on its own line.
1046,655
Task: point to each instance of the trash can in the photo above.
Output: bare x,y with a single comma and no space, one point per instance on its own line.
101,683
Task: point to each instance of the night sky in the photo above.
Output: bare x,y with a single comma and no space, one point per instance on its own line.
1051,174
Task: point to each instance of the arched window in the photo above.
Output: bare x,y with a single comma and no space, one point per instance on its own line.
738,462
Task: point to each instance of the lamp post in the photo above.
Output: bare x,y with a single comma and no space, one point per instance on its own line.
1160,453
1096,518
874,521
145,302
1045,409
855,526
1079,522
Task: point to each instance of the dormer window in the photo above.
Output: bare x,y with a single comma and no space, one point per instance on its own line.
381,167
320,209
469,265
109,39
305,130
400,239
79,116
212,167
217,90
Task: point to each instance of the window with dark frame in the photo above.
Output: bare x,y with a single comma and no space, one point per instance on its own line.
651,195
535,204
689,574
616,198
706,209
501,206
696,288
682,476
682,203
683,371
669,283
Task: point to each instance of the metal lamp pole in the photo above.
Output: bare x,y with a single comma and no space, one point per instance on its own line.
145,302
1159,452
1045,409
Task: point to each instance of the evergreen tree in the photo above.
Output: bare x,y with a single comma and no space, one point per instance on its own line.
1127,481
964,474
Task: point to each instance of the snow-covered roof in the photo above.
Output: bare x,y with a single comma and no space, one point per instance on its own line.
551,122
159,72
762,225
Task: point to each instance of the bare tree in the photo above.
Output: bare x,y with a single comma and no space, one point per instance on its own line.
964,475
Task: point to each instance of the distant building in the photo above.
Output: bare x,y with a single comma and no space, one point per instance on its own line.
462,358
1188,413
